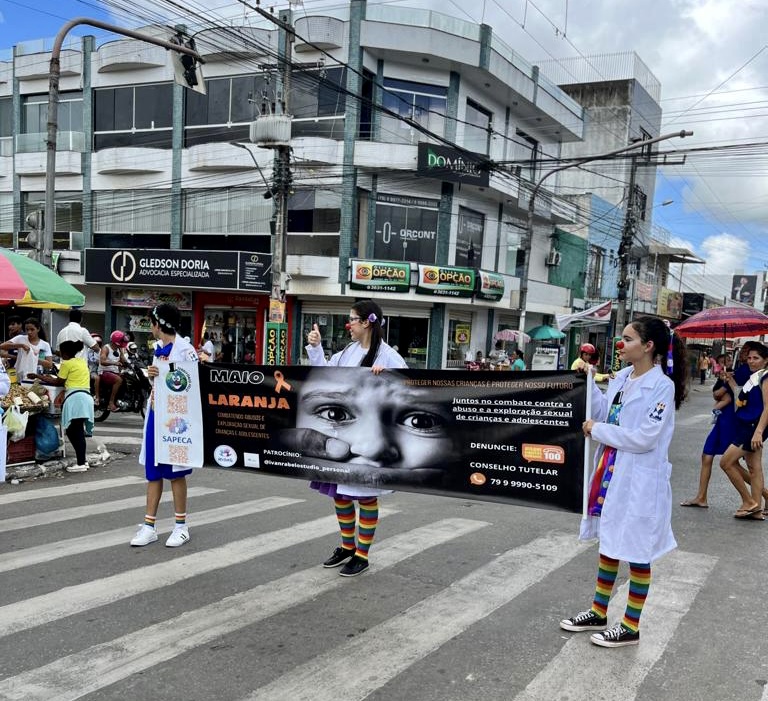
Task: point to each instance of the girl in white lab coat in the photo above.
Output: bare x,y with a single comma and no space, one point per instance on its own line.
630,499
368,349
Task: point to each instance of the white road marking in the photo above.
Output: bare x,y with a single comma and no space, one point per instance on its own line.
393,646
44,518
120,536
67,489
676,580
99,666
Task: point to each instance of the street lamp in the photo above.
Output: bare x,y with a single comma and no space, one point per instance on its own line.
527,239
53,113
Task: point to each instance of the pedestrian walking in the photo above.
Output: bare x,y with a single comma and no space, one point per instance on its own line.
630,497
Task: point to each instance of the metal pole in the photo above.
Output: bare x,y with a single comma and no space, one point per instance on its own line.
525,243
625,251
53,114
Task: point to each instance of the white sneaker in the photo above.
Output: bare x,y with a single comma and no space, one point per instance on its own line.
179,536
144,536
77,468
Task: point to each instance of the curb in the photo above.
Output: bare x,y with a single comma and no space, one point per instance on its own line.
18,473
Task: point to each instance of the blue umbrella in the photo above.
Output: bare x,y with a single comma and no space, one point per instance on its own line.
545,333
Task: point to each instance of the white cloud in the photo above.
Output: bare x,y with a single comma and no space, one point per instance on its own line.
725,254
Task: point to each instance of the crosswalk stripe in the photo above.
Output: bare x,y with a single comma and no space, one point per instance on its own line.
120,536
44,518
393,646
99,666
67,489
39,610
677,579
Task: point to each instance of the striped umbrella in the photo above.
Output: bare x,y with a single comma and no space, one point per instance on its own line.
26,283
724,322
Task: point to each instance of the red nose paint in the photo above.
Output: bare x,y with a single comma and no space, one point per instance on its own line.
619,344
347,326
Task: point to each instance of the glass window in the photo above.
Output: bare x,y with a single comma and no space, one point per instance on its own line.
69,209
227,211
458,352
6,212
469,238
140,115
526,154
6,117
34,113
132,211
477,130
424,104
311,211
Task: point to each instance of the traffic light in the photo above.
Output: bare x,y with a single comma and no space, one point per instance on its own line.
188,70
35,221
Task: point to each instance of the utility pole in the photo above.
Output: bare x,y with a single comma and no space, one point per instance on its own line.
49,218
527,238
625,250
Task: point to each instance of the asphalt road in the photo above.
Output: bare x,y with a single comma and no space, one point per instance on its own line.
461,602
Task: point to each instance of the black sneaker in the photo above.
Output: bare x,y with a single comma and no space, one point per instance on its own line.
338,557
357,565
618,636
586,620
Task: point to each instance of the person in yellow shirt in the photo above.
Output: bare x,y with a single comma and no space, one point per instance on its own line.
77,410
584,362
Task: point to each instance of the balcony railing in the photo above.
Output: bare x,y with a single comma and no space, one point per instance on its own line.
65,141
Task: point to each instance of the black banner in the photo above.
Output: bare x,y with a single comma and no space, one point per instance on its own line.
227,270
516,440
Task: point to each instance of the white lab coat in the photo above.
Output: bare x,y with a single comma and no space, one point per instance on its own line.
182,350
635,525
351,356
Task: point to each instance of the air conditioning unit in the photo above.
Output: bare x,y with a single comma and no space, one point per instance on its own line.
553,257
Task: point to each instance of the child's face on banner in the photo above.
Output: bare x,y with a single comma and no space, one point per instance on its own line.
386,423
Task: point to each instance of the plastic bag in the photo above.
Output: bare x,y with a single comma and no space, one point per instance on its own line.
46,436
16,423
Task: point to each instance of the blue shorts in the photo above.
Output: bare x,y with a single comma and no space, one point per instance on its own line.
156,472
742,435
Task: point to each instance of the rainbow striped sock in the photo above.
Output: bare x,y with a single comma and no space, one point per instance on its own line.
607,569
639,582
181,519
366,529
345,514
149,520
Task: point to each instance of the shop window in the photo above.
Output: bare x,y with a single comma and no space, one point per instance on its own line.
137,115
233,334
459,344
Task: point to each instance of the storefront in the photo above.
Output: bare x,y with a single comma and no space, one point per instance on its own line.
406,327
224,293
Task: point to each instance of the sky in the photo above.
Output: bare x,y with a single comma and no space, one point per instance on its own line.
712,63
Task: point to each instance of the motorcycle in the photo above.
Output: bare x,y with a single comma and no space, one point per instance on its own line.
132,395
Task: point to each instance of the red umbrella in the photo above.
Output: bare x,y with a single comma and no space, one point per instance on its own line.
724,322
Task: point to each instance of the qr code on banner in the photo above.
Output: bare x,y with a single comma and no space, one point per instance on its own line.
177,405
178,454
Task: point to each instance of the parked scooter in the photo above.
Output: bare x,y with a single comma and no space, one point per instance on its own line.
133,394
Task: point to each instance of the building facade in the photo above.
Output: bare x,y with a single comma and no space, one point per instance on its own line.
396,114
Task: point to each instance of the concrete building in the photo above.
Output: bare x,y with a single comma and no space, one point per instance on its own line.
154,203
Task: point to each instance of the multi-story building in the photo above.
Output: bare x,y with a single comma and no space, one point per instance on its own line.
396,115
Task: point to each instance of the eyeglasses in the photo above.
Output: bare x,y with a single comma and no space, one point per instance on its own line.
354,318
